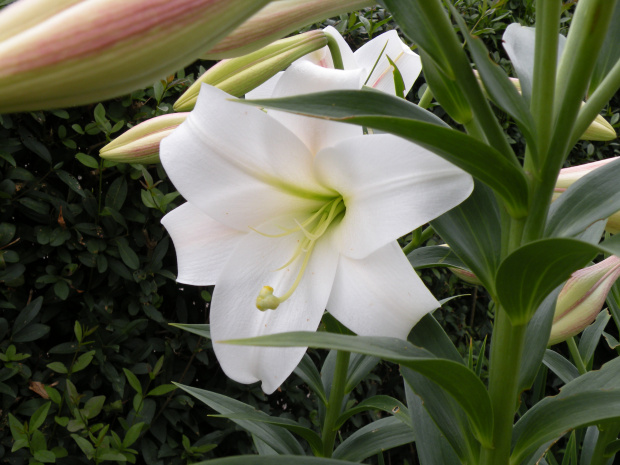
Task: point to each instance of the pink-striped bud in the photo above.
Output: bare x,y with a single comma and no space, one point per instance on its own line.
97,49
277,20
582,298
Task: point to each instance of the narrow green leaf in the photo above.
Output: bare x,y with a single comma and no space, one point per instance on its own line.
592,335
531,272
455,378
430,335
259,417
58,367
385,403
472,229
373,438
536,338
27,314
161,390
93,407
610,52
357,107
498,85
359,367
132,434
83,361
274,460
590,398
592,198
200,330
117,193
276,437
433,256
431,446
307,371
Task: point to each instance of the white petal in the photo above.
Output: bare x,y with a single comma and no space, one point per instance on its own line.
390,186
237,164
303,77
234,313
382,78
519,43
380,295
202,244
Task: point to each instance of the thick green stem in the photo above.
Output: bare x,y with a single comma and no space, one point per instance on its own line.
334,49
574,351
506,350
427,98
545,65
607,432
504,363
334,405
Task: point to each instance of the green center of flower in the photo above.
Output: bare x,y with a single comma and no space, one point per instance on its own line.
313,229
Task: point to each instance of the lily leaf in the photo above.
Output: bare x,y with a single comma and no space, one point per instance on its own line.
472,229
275,437
368,109
385,403
433,256
456,379
531,272
592,198
589,399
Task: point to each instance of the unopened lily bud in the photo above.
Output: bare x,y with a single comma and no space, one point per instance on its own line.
466,275
570,175
582,298
237,76
98,49
20,16
141,143
277,20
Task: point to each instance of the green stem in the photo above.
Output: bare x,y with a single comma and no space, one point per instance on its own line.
504,364
607,432
506,351
427,98
334,49
419,237
574,351
334,405
545,65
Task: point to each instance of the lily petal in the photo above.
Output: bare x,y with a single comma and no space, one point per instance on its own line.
519,43
202,244
408,63
380,295
304,77
234,314
238,165
390,187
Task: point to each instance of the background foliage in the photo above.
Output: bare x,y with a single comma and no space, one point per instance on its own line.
87,282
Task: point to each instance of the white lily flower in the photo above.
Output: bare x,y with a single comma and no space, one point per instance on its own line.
289,216
371,59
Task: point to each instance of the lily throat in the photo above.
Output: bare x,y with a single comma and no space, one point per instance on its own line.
313,228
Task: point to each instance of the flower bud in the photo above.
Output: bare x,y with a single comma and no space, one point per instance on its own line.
582,298
237,76
277,20
141,143
97,49
466,275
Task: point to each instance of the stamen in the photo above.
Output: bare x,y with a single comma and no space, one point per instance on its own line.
312,230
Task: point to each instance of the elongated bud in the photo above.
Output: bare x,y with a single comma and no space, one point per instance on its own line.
277,20
582,298
98,49
141,143
19,16
466,276
237,76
